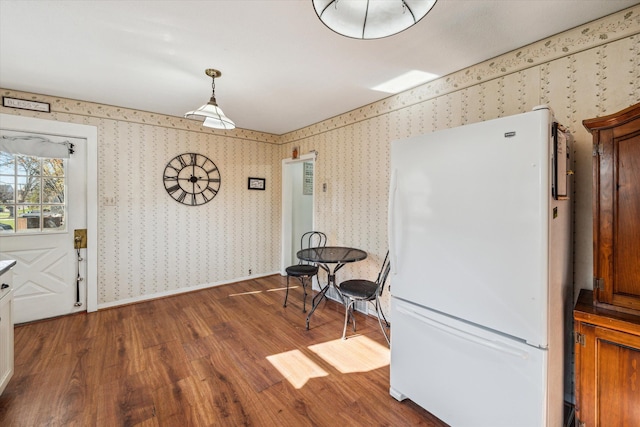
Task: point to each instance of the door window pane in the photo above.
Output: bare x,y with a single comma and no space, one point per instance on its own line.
53,167
32,194
52,217
52,190
27,165
7,195
28,189
7,164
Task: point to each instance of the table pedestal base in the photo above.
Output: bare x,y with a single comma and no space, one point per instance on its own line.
331,281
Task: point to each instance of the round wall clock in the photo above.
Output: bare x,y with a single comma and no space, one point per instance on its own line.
191,179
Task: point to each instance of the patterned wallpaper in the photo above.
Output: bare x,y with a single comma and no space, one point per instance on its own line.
155,244
589,71
150,245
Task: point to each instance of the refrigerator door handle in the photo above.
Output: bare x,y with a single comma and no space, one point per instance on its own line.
390,221
495,345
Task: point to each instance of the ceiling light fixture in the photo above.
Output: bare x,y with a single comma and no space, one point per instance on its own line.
210,113
371,19
405,81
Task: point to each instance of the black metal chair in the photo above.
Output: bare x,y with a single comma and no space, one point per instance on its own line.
305,270
365,290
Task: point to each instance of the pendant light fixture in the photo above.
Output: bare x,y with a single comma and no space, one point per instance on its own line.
371,19
210,113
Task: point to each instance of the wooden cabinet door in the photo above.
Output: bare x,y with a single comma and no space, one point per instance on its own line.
616,208
618,252
626,262
608,377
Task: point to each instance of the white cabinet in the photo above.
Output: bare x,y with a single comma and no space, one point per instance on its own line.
6,323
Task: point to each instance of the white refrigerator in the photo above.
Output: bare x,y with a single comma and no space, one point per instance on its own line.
480,241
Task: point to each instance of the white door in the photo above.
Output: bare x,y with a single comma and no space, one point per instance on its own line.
297,204
302,204
42,221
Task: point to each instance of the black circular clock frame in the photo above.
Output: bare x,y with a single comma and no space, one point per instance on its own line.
191,179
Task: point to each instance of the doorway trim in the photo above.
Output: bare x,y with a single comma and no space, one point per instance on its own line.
90,133
287,207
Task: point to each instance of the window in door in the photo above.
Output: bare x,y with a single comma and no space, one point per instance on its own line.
32,194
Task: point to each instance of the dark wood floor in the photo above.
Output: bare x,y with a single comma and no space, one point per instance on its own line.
230,355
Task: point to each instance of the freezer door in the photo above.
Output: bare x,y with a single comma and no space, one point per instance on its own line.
468,223
464,375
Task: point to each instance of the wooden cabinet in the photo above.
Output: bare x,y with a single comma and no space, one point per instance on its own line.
6,323
607,319
616,208
607,352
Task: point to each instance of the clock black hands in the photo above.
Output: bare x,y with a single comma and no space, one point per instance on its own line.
184,175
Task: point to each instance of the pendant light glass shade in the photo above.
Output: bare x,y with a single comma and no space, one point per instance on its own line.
212,115
371,19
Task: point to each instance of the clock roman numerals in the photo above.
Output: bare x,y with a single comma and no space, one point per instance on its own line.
192,179
173,167
173,189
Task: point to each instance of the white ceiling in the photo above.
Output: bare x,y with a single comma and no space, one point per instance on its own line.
282,69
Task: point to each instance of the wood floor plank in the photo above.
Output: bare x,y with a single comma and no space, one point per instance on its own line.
172,407
165,364
125,402
225,356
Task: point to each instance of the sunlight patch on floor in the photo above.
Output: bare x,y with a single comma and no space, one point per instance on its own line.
281,289
355,354
245,293
259,292
296,367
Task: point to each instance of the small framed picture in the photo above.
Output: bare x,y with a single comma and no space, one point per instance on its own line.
256,184
25,104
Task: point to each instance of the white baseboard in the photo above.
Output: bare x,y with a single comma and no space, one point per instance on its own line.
179,291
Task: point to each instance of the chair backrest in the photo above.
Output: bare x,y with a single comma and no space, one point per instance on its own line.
383,274
312,239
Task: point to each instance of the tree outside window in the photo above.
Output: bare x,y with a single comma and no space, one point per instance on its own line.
32,194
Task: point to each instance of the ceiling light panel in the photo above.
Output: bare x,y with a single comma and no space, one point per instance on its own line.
405,81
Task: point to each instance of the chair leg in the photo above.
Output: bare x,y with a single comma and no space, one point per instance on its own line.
286,295
346,318
304,296
379,310
353,315
380,317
